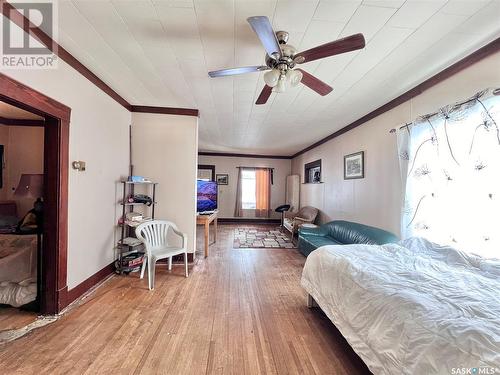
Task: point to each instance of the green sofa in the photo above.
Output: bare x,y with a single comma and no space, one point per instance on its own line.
340,232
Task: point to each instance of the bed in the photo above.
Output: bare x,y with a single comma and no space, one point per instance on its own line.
410,308
18,260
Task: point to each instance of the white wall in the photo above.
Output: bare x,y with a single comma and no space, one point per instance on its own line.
23,153
376,199
99,131
165,149
227,193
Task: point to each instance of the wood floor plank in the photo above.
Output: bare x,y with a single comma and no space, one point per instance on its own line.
241,311
13,318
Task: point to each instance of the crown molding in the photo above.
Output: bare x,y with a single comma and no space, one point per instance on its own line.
11,13
229,154
453,69
165,110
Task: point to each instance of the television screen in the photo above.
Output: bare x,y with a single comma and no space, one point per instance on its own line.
207,196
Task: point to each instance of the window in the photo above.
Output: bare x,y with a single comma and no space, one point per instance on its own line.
450,163
248,197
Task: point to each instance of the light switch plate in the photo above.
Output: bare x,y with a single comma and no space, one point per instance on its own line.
78,165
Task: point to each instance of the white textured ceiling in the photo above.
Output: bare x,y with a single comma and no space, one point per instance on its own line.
158,52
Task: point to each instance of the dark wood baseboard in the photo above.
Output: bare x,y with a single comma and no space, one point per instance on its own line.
246,220
80,289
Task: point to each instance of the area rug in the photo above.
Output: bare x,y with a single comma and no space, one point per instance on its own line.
261,239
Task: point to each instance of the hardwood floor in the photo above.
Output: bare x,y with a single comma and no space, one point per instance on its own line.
241,311
13,318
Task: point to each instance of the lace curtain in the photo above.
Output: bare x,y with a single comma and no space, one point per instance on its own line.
450,169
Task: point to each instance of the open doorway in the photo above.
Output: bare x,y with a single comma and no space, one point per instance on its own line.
51,119
21,214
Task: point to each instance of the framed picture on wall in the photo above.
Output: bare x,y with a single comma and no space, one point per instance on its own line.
312,172
222,179
354,165
206,172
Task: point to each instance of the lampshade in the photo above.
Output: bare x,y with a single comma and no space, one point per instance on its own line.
30,186
294,77
282,84
271,78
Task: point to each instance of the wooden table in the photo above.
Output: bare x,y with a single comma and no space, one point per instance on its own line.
206,220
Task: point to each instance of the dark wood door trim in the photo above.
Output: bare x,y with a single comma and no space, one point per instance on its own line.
24,97
56,167
21,122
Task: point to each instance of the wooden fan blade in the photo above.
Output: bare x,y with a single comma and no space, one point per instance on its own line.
315,84
262,27
264,95
347,44
234,71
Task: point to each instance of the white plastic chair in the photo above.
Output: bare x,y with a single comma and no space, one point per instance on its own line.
154,236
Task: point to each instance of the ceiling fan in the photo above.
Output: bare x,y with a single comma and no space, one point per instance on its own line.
281,59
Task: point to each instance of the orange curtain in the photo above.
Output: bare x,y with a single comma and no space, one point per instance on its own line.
262,192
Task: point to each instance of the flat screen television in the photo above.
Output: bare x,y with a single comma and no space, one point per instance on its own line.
207,196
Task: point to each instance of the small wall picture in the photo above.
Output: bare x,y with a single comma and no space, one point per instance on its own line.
222,179
312,172
354,165
315,175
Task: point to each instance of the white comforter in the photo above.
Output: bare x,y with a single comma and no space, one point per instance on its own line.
414,308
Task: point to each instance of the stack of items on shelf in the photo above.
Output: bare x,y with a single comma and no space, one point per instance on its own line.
133,256
133,219
136,209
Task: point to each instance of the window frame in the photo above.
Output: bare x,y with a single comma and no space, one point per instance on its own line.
242,189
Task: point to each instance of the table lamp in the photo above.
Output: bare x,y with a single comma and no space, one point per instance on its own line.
30,186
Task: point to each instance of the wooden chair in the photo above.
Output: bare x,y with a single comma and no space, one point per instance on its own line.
154,235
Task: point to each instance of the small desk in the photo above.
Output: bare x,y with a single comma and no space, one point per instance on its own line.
206,220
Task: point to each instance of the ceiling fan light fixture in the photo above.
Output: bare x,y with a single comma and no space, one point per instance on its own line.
281,59
272,77
282,84
294,77
288,50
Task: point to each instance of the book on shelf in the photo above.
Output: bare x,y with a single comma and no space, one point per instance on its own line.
130,241
133,260
128,249
131,269
133,216
133,223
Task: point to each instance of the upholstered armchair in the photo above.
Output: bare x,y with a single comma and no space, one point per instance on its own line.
293,220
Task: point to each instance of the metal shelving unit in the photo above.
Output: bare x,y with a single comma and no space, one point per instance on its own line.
128,227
